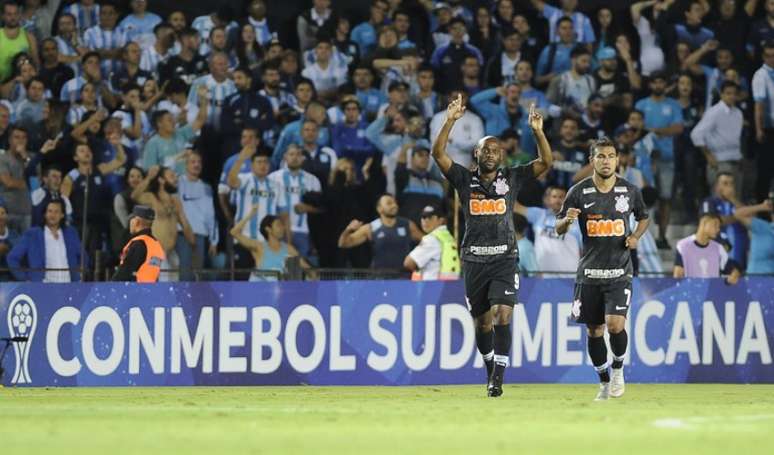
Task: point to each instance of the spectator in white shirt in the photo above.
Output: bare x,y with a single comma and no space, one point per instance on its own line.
464,136
324,73
719,135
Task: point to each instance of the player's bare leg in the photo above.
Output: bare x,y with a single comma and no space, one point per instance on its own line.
618,342
502,347
598,353
485,340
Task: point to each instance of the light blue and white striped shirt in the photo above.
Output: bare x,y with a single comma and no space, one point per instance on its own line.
84,18
291,186
262,193
584,32
219,91
140,29
204,25
68,50
98,38
75,114
262,33
150,59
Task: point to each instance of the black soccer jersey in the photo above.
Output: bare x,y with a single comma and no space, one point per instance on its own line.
604,223
488,210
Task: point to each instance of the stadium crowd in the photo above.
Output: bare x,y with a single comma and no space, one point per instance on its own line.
255,142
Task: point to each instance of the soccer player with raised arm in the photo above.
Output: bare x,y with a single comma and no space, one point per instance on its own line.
602,204
489,249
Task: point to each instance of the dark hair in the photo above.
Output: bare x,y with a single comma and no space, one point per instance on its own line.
50,168
38,79
563,19
17,127
61,204
128,87
769,44
153,185
726,84
401,11
189,31
161,25
266,223
241,50
89,55
519,223
244,70
156,117
176,85
129,170
579,50
599,143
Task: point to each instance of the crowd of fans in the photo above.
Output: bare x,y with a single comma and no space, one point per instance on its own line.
314,141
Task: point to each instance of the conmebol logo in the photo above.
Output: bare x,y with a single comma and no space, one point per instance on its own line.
22,320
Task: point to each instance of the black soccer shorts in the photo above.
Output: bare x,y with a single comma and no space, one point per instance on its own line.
592,302
490,283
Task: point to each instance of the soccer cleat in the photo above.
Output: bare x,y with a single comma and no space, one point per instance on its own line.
604,392
495,386
617,385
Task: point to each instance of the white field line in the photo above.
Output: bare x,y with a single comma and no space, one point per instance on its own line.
689,423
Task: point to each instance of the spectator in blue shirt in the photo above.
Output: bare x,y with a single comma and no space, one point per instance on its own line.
505,114
348,138
364,34
664,118
691,31
761,235
291,134
370,98
138,26
555,57
581,23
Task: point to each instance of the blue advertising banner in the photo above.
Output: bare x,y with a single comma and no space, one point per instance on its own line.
367,332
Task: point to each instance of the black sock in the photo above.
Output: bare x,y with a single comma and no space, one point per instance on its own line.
485,344
502,344
618,343
598,354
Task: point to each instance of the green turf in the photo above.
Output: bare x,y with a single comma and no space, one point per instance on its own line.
365,420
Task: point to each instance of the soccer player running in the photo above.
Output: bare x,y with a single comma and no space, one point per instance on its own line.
602,204
489,245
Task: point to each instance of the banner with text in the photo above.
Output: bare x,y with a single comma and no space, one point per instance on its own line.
366,332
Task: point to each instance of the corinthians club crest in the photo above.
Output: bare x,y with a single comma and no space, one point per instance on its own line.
622,203
501,186
22,321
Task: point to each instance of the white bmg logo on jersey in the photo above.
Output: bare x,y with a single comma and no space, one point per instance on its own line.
22,320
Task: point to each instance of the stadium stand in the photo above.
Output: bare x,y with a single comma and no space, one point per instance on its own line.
107,104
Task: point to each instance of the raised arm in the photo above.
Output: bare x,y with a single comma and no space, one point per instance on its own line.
137,193
454,112
545,159
233,174
355,234
636,10
236,232
203,96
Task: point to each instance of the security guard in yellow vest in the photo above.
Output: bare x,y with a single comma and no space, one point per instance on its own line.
436,257
142,256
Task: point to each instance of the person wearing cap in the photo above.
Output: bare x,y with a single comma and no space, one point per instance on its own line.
143,255
54,247
700,256
612,83
663,116
447,60
436,257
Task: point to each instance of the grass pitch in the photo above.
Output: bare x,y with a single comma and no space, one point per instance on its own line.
366,420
